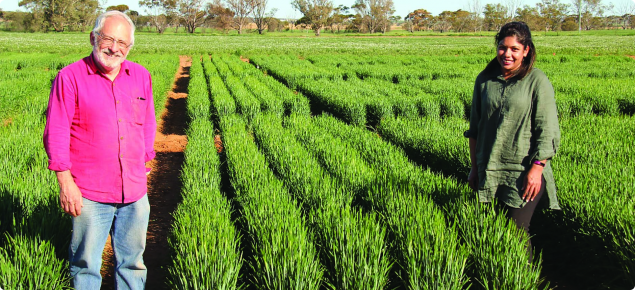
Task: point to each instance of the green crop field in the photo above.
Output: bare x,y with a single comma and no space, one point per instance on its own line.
344,164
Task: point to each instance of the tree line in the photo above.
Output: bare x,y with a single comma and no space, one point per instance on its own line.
364,16
547,15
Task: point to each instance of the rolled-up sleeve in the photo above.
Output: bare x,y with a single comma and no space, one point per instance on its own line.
545,128
59,117
150,125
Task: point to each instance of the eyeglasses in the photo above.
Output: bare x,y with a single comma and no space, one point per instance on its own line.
108,41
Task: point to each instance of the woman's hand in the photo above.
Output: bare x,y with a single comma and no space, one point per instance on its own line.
472,179
532,183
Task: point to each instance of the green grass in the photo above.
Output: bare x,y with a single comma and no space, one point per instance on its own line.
318,203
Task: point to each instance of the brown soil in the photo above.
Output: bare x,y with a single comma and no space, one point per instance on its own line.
7,122
244,59
631,56
218,143
164,185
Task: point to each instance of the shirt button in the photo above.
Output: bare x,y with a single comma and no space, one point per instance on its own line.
121,155
119,120
117,102
121,137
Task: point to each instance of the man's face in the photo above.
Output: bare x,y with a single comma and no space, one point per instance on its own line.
112,44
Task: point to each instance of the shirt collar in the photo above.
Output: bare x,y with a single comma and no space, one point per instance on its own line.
499,75
92,67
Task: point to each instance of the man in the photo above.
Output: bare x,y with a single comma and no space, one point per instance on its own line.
100,129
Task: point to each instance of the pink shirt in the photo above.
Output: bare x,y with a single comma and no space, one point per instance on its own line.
102,130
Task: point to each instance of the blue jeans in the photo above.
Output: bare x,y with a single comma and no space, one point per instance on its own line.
127,224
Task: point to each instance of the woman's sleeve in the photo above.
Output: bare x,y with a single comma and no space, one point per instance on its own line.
475,112
545,128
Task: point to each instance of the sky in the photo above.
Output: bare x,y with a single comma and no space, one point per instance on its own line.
285,10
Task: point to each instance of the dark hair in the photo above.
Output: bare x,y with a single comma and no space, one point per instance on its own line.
523,36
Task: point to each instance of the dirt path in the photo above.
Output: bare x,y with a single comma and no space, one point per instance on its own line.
164,184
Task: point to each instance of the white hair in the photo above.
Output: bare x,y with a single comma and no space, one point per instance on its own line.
101,19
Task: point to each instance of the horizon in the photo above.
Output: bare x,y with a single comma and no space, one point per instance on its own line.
402,7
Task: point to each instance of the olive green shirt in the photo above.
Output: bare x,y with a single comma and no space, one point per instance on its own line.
514,123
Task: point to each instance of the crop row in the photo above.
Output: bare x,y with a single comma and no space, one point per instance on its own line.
269,93
351,244
402,194
596,196
438,143
284,255
345,199
203,233
394,81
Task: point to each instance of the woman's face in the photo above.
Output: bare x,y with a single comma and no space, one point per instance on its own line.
510,54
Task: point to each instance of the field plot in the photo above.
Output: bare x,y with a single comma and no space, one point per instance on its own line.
343,166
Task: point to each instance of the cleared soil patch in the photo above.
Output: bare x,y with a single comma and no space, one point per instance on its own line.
164,184
218,143
7,122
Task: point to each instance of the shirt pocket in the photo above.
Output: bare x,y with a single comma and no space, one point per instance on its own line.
139,106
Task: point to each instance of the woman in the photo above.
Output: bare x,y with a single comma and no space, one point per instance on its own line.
513,129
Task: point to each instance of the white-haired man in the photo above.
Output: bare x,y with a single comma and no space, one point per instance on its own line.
100,128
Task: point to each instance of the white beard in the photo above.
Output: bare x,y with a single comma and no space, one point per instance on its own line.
108,62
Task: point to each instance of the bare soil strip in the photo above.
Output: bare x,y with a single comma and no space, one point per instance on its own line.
164,184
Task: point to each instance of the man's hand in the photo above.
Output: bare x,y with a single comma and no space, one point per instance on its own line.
70,196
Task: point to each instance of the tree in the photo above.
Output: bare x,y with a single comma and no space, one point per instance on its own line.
20,21
339,18
161,12
374,14
395,19
274,24
476,10
49,14
59,14
460,20
84,15
569,23
121,8
242,9
219,16
588,10
626,9
192,14
316,12
386,10
512,6
531,16
443,22
420,19
495,16
134,16
261,15
552,13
